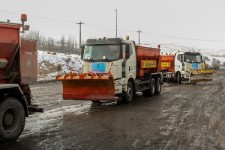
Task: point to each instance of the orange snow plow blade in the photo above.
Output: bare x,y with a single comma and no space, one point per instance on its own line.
87,86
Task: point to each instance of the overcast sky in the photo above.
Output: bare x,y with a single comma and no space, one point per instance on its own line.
194,23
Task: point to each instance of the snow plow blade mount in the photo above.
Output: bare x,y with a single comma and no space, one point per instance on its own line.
87,86
201,76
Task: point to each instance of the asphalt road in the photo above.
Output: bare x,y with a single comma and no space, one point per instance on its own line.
184,116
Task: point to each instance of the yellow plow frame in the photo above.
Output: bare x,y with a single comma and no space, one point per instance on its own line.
201,75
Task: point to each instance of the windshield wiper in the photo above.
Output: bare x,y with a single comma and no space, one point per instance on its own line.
96,60
88,59
107,59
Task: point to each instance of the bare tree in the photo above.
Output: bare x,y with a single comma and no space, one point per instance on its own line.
63,45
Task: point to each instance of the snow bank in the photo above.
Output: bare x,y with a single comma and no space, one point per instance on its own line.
50,64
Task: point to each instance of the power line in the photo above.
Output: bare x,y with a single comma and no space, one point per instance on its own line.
182,38
122,30
100,27
9,12
106,28
39,17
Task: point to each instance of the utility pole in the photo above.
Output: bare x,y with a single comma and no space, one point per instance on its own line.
80,23
139,34
116,22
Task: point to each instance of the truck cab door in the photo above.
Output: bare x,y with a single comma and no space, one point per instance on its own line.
129,61
179,60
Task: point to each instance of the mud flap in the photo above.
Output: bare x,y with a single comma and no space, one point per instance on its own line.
95,87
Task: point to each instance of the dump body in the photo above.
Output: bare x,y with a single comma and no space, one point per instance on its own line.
18,69
166,63
147,60
18,58
9,44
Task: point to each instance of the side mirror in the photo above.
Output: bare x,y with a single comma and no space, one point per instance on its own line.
81,49
26,27
127,51
182,58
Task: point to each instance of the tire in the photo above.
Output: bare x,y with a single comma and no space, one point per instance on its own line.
129,97
12,119
96,102
163,79
158,86
151,90
178,78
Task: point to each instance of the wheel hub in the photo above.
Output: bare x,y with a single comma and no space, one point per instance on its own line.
153,87
9,119
159,87
129,93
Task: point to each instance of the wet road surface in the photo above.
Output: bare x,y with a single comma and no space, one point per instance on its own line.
184,116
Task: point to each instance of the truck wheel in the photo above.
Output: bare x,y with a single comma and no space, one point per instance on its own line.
130,93
152,87
12,119
96,102
151,90
178,78
158,86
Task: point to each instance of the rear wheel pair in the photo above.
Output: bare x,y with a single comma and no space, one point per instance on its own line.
155,87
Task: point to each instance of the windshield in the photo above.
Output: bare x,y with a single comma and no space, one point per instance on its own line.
193,58
102,52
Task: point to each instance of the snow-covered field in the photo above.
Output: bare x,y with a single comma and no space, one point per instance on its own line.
51,64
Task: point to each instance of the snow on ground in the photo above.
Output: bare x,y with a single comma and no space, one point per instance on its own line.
51,64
